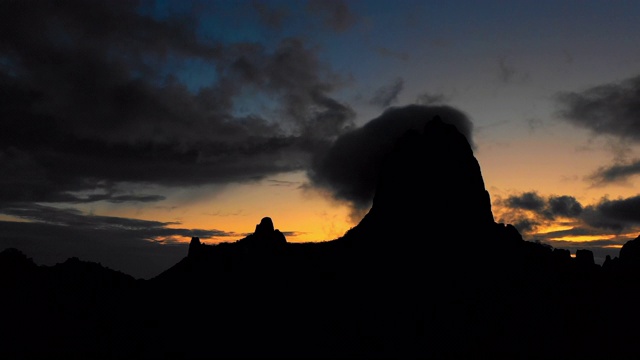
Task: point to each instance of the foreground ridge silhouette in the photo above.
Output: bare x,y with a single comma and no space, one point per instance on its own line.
426,273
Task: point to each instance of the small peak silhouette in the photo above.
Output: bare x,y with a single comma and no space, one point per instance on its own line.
265,226
265,235
194,246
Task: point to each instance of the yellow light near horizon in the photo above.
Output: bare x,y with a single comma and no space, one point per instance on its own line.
583,238
242,207
617,246
554,228
13,218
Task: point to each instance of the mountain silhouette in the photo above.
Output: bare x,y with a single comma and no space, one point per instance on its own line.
432,179
427,273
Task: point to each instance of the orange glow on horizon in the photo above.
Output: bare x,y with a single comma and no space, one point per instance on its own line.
12,218
583,238
237,210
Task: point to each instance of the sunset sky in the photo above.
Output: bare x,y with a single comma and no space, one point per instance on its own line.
128,127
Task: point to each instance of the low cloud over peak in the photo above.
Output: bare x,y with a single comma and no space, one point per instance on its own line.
349,169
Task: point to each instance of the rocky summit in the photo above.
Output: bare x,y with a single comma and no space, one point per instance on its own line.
431,208
431,181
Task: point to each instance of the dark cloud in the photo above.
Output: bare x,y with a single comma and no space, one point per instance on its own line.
615,173
335,14
527,201
94,108
617,215
529,211
524,224
271,16
532,212
283,183
612,215
612,109
549,208
388,94
145,229
122,198
140,248
565,206
349,169
88,102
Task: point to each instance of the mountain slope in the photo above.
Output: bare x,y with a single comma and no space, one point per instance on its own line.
426,273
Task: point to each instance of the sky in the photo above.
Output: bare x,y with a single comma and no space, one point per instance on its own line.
127,127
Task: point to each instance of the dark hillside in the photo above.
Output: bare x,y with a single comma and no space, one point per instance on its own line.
426,273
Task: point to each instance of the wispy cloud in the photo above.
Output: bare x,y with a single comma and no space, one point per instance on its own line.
387,94
616,173
611,109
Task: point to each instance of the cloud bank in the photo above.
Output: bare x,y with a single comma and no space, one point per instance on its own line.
618,215
90,101
563,222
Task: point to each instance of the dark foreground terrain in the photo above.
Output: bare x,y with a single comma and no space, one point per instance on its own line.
426,273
